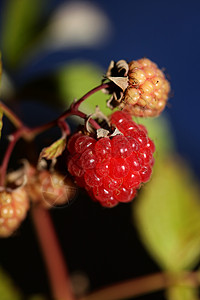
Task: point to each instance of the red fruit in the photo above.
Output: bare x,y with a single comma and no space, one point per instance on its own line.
124,194
92,179
121,148
145,173
111,168
150,145
102,194
133,179
74,166
145,156
88,159
133,143
120,117
71,143
111,202
103,148
103,168
82,143
119,168
134,162
111,183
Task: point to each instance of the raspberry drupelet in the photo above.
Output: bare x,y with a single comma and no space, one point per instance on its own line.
112,168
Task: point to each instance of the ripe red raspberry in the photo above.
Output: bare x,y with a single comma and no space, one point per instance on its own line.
112,168
13,209
148,89
49,188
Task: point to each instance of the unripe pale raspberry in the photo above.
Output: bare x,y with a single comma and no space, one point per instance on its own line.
13,209
147,91
138,87
49,188
111,168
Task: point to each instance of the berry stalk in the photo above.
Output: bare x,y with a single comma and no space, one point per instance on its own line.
144,285
11,116
90,93
73,110
13,140
30,133
131,288
52,254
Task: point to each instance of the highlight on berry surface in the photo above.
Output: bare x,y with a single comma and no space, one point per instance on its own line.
138,86
113,167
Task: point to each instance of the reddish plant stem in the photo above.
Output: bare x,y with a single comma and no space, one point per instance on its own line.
11,116
52,254
13,140
73,110
144,285
29,133
130,288
96,89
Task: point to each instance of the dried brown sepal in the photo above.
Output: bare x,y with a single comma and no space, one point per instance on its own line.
117,69
101,133
99,116
116,132
117,74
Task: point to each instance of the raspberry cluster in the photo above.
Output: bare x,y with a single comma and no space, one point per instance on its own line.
148,89
13,209
112,168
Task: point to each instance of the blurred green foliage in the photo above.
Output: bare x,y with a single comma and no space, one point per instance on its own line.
76,79
181,292
8,290
167,211
20,21
160,132
168,216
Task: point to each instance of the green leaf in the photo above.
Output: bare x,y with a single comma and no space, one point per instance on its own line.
54,150
167,215
78,78
181,292
160,132
8,290
19,26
